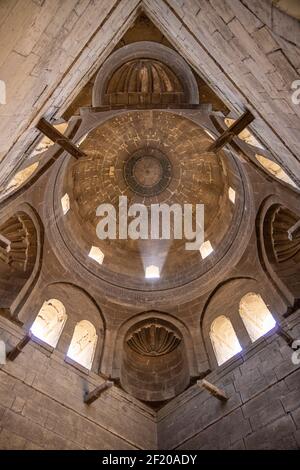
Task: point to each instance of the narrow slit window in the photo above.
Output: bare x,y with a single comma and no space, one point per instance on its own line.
231,195
65,203
206,249
152,272
96,254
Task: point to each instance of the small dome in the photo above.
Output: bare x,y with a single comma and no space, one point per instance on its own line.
144,81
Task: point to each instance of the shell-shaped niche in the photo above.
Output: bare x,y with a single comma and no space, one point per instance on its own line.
153,340
284,247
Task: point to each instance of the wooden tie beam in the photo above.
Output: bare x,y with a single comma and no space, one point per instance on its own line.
238,126
213,390
64,142
90,397
18,348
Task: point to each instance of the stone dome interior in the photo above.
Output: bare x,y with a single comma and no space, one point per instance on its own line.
144,81
151,157
135,118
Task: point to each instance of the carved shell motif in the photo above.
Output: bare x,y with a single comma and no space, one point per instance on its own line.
153,340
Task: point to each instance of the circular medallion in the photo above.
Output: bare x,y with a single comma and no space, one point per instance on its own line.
148,172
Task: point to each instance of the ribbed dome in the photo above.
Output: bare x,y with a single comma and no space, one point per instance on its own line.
144,81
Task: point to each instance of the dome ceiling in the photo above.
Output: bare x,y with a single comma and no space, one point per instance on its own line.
150,157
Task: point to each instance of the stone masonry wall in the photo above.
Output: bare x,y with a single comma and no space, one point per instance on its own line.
41,405
263,410
48,51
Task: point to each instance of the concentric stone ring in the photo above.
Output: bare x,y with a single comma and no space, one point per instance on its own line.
148,172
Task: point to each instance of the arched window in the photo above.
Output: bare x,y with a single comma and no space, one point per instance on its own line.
49,322
83,344
224,340
256,316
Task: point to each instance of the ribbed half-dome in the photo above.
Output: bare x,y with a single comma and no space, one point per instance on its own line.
20,232
284,248
153,340
144,81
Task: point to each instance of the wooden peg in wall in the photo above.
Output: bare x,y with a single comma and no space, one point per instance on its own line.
90,397
18,348
213,390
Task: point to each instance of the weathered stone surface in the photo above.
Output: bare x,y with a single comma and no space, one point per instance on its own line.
244,54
